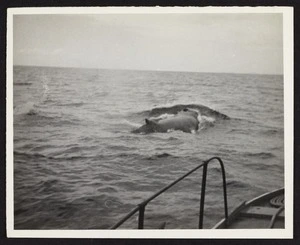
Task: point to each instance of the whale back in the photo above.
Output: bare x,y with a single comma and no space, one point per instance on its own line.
185,123
188,112
185,120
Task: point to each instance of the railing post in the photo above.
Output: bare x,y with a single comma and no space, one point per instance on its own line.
224,190
141,216
202,195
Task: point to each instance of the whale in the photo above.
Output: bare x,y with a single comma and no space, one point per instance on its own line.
185,121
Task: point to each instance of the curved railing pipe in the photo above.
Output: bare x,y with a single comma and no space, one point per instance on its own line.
141,207
203,189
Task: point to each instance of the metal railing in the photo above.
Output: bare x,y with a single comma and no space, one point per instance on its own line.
141,207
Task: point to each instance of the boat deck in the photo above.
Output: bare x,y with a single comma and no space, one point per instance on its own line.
254,223
265,211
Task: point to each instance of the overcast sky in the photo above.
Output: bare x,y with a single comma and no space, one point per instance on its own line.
235,43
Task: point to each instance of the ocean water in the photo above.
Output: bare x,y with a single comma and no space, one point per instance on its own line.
77,165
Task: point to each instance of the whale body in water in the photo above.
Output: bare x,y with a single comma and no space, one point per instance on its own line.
185,120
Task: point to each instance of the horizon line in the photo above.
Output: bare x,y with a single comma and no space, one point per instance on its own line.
131,69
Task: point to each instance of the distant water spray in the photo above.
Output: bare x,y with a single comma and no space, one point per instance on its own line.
30,107
45,95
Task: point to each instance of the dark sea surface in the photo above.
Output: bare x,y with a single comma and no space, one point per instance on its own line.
77,165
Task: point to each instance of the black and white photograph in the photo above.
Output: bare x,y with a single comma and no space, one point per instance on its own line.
150,122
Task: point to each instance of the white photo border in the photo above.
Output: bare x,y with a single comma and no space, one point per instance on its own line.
286,233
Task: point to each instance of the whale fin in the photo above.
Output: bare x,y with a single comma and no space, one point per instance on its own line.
153,126
150,122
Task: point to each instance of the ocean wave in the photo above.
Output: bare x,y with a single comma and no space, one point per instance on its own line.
72,104
158,156
236,184
49,186
31,113
270,132
37,115
30,155
261,155
239,131
69,155
23,83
